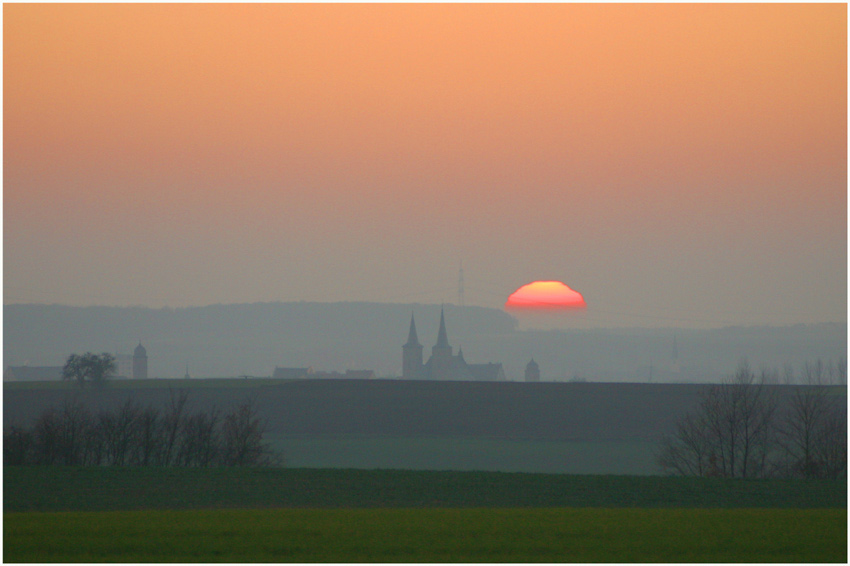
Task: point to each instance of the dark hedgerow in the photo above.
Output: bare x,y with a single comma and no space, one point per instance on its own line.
135,436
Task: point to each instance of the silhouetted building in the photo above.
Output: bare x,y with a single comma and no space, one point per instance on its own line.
411,364
359,374
349,374
33,373
532,371
140,362
292,373
325,375
123,366
443,365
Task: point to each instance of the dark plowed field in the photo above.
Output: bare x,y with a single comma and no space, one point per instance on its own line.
575,428
557,411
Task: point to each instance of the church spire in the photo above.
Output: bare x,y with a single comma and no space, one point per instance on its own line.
442,337
412,339
411,354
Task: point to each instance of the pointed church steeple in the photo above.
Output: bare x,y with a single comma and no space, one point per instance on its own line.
442,360
442,337
411,359
412,339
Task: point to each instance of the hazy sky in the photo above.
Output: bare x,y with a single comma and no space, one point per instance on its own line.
681,165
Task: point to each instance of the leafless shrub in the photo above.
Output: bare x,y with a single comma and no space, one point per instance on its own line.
738,430
730,435
831,444
75,432
813,435
199,444
47,435
18,446
148,440
172,423
243,437
688,452
135,436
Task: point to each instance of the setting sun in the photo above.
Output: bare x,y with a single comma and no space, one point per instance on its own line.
545,295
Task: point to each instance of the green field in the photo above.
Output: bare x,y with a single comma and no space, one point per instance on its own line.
342,498
430,535
58,488
65,514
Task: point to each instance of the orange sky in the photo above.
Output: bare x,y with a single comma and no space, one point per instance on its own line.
147,147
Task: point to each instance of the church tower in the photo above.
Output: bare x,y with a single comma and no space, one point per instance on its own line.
140,362
441,353
532,371
411,358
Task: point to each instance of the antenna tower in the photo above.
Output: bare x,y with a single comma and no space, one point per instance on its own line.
460,286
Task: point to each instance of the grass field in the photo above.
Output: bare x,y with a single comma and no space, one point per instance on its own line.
64,514
60,488
430,535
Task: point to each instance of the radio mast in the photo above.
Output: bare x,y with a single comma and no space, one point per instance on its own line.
460,286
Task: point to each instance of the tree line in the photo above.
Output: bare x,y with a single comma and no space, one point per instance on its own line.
741,430
133,435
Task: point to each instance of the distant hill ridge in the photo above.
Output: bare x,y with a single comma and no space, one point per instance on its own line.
229,340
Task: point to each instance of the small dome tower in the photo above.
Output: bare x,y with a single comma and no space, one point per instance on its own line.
140,362
532,371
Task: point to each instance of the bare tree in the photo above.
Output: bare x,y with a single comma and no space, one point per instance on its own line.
172,424
18,446
688,452
148,443
730,434
76,422
831,444
134,436
199,444
757,408
788,374
243,437
813,434
47,438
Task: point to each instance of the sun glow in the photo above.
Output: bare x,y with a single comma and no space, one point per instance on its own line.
545,295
